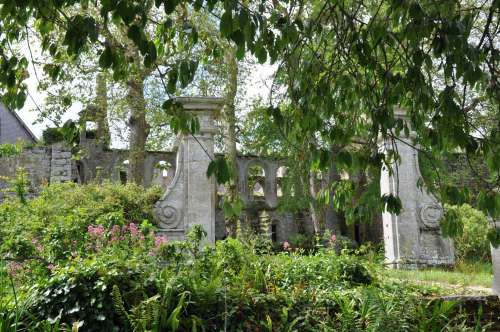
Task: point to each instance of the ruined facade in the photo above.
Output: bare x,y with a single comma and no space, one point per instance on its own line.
413,238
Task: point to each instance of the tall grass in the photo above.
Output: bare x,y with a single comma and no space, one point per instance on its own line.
465,274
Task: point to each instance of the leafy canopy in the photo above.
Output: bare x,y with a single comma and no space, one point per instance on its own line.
344,67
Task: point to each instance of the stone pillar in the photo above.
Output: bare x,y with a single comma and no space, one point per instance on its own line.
60,164
495,258
413,238
190,197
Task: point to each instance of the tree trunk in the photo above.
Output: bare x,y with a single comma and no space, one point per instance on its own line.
332,220
101,115
313,204
138,128
229,120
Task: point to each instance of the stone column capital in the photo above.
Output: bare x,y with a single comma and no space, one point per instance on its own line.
200,103
206,109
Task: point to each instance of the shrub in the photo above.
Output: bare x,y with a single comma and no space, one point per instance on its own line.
52,135
472,244
54,225
81,292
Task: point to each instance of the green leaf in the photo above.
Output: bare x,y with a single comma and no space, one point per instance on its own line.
219,168
106,58
344,158
226,24
261,54
170,6
494,237
239,38
451,223
392,204
488,203
172,80
135,34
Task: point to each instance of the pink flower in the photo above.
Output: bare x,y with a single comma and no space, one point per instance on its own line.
37,245
115,229
115,233
160,240
51,267
333,238
97,231
13,268
134,231
286,245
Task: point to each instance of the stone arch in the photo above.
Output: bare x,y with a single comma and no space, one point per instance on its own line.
256,180
274,230
123,171
282,171
279,191
162,173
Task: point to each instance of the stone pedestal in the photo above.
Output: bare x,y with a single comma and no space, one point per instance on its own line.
495,258
190,198
413,238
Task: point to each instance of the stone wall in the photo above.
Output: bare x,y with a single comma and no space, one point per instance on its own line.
36,161
51,164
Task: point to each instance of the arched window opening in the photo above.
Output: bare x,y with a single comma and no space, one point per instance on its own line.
279,191
161,173
256,180
123,172
164,166
274,231
258,190
90,129
281,171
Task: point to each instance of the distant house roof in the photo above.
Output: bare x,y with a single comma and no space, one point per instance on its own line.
13,128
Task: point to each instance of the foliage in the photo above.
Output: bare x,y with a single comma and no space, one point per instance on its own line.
472,244
9,150
54,225
81,291
83,256
229,286
68,133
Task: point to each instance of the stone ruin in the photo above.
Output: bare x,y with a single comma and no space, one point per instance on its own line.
411,239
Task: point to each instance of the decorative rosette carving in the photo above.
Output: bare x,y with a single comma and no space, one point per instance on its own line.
430,214
169,217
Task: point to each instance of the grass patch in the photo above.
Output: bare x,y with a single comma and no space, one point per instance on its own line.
468,274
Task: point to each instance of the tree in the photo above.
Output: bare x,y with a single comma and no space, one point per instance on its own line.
350,65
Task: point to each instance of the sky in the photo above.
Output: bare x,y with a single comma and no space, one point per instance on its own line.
257,86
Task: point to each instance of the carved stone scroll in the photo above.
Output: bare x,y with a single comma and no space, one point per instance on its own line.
190,198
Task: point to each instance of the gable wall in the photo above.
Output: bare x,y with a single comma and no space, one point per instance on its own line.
11,129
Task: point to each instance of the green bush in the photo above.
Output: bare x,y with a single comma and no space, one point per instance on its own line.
54,226
52,135
81,292
472,244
